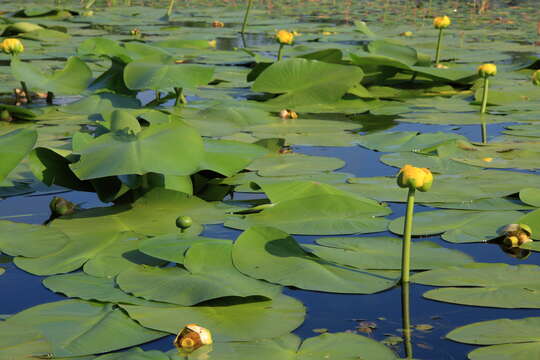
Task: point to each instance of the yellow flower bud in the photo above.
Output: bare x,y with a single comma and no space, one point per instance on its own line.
486,70
12,46
441,22
217,24
511,241
536,77
416,178
192,337
406,34
284,37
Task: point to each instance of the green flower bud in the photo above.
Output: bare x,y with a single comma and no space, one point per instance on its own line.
184,222
60,206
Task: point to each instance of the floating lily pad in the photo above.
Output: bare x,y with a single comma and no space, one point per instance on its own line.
209,274
515,339
317,213
14,146
102,236
447,188
406,141
273,255
532,219
77,328
230,320
459,226
385,253
172,247
304,82
481,284
21,342
73,79
19,239
86,287
161,72
530,196
155,149
294,164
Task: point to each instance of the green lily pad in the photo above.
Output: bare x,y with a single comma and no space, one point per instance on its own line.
290,347
482,284
19,239
516,339
86,287
530,196
304,82
294,164
21,342
228,157
230,320
161,72
385,253
209,274
406,141
532,219
172,247
101,237
155,149
273,255
317,213
77,328
73,79
14,146
453,188
459,226
220,120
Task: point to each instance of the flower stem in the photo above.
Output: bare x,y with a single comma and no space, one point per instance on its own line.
180,98
484,132
439,43
170,8
280,52
485,95
406,317
406,249
246,15
26,92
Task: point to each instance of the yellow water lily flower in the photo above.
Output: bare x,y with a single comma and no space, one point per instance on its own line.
413,177
536,77
12,46
284,37
441,22
486,70
192,337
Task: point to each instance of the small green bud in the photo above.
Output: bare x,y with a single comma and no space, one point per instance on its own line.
184,222
60,206
5,116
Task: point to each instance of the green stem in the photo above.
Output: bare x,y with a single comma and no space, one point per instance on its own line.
246,15
438,52
406,316
406,249
50,97
484,132
158,96
485,95
170,8
280,52
26,92
180,98
144,182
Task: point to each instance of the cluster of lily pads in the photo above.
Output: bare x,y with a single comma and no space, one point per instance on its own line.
172,126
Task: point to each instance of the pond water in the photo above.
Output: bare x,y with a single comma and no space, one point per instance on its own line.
326,312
